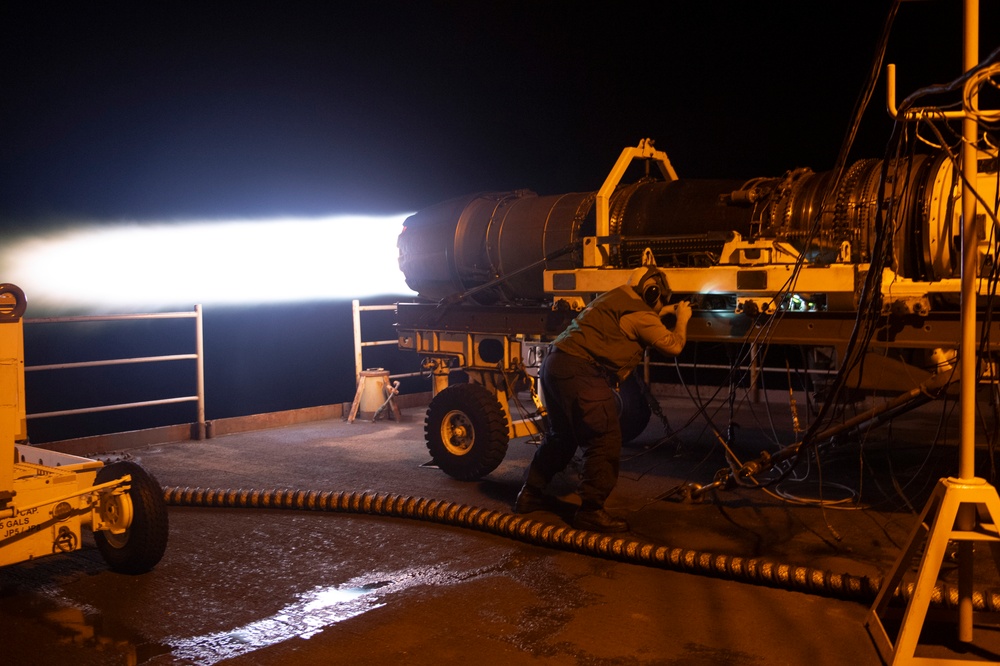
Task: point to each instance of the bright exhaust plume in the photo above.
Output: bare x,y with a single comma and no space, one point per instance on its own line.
208,262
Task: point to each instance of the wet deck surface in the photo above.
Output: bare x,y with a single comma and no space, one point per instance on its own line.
271,586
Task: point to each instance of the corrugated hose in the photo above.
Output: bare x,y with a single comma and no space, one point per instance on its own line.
753,570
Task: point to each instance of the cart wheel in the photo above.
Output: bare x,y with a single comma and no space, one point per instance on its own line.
466,431
633,410
140,547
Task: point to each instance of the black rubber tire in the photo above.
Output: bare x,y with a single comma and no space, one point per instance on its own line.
142,545
466,431
633,410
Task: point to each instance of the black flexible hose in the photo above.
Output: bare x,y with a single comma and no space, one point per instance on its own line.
752,570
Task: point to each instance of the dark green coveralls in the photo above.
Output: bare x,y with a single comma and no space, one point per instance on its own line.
578,378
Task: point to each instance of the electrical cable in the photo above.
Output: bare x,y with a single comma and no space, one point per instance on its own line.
870,291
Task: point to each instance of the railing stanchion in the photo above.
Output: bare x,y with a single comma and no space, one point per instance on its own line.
199,350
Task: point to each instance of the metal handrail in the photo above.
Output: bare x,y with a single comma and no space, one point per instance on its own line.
198,357
360,345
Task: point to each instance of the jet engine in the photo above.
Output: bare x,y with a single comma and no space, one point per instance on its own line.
902,215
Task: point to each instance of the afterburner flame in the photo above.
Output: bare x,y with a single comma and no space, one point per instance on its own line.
213,261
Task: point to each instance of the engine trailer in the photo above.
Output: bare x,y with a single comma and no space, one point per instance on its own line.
47,497
860,265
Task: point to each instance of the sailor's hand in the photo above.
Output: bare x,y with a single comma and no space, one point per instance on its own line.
668,309
682,309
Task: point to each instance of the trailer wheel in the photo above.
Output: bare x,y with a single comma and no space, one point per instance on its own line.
141,546
633,410
466,431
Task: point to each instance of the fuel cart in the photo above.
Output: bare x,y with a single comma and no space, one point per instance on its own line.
48,497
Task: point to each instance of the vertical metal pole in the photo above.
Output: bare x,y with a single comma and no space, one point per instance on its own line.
356,312
966,518
199,350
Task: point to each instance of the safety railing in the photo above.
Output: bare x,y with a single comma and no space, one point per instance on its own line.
198,356
360,344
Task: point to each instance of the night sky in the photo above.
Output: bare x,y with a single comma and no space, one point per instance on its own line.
159,111
172,109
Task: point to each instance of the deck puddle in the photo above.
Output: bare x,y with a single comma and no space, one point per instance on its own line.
315,610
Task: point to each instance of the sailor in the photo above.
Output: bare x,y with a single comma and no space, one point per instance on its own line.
579,377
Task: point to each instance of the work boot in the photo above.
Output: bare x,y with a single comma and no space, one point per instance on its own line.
598,520
530,499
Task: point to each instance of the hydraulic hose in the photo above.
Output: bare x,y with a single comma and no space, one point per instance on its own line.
756,571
